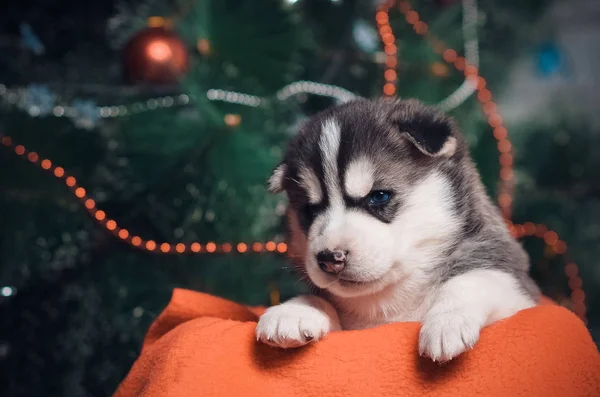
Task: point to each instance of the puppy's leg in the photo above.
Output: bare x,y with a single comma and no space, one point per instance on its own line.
464,305
297,322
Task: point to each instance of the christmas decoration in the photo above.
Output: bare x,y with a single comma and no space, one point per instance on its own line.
233,120
365,36
549,59
30,39
99,227
439,69
155,55
553,246
87,113
38,100
387,36
8,291
129,19
159,22
203,46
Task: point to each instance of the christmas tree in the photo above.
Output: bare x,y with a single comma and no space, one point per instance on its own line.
137,138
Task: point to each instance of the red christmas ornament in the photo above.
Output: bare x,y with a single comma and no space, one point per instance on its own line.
155,55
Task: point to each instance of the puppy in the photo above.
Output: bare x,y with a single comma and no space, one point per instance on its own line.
389,221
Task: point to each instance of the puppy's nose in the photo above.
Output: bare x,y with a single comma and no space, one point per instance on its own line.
332,262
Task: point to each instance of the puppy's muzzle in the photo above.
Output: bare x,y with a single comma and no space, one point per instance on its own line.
332,262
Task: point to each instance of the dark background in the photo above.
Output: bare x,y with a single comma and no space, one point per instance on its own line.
76,301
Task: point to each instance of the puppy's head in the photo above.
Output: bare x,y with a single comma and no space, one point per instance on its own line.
371,202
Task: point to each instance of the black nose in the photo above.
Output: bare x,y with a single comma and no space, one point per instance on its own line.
332,262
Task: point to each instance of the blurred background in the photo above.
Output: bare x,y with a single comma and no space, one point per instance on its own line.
169,116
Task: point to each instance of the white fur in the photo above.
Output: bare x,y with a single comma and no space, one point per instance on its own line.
427,224
299,321
383,254
329,144
393,264
368,241
411,247
311,185
452,316
359,178
276,179
449,148
465,304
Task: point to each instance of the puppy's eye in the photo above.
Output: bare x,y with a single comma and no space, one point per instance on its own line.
378,198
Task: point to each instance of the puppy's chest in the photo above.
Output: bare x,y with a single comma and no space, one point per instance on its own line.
364,320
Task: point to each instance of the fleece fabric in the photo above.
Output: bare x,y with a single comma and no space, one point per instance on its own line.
203,345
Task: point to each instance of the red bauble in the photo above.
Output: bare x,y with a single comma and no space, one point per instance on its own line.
155,55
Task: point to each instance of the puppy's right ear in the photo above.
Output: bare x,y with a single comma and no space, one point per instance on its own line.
428,129
276,179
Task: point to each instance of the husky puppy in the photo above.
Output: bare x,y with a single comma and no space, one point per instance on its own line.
389,221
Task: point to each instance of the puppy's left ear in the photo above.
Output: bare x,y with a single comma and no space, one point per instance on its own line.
276,179
429,130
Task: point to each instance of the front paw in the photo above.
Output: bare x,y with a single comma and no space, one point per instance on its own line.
444,336
292,325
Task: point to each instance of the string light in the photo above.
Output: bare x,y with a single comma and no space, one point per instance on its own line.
469,25
484,96
294,88
282,247
270,246
233,120
257,247
157,51
550,237
558,247
274,295
123,234
489,107
156,22
309,87
203,46
391,50
439,69
13,96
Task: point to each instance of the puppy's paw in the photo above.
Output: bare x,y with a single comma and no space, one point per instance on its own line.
444,336
292,325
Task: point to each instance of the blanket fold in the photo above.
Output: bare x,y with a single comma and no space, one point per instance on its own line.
202,345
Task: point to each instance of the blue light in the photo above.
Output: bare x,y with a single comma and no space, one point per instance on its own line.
7,291
549,60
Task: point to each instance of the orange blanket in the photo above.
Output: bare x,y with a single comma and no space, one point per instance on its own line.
205,346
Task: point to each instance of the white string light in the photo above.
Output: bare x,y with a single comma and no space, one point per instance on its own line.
15,96
469,28
309,87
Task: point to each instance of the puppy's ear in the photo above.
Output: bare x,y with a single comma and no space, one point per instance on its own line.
276,179
428,129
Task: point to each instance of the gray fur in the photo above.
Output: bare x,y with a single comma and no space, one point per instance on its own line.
403,138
